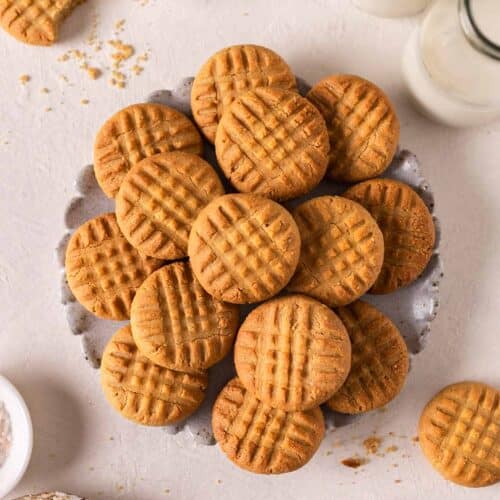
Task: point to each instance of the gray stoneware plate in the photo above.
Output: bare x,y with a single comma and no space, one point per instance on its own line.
412,308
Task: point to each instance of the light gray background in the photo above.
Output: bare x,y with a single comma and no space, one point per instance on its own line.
73,424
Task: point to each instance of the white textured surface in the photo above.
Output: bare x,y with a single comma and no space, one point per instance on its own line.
73,424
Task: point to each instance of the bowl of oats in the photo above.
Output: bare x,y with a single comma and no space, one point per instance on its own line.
16,437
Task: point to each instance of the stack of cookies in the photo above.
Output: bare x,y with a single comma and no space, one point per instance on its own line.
180,256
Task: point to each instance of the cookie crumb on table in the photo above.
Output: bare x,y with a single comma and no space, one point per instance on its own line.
391,449
24,79
372,444
354,462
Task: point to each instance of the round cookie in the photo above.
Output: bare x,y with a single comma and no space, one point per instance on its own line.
104,270
159,200
379,360
177,324
35,22
342,250
137,132
244,248
143,392
292,353
262,439
362,124
274,143
407,226
230,72
459,432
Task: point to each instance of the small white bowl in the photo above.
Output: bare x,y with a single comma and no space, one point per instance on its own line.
19,455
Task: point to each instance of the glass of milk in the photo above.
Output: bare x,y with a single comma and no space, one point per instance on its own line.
392,8
451,64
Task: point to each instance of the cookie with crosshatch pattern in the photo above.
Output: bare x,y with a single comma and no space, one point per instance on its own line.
159,200
272,142
177,324
244,248
459,432
292,352
104,270
144,392
137,132
230,72
407,226
342,250
379,360
262,439
35,21
362,124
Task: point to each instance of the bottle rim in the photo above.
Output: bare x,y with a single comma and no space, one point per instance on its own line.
473,32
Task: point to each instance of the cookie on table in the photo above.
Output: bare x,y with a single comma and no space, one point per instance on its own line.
159,200
177,324
35,22
292,353
342,250
362,123
244,248
407,226
104,270
274,143
144,392
137,132
459,432
262,439
230,72
380,360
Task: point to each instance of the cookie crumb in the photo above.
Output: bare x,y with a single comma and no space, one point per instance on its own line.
84,101
372,444
397,480
167,491
47,110
219,481
328,453
44,90
354,462
94,73
415,439
24,79
391,449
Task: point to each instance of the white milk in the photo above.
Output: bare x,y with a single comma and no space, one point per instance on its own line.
449,78
392,8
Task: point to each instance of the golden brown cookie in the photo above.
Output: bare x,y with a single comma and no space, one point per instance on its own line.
177,324
104,270
137,132
362,124
159,200
35,21
231,72
293,353
262,439
407,226
146,393
342,250
244,248
274,143
459,432
379,360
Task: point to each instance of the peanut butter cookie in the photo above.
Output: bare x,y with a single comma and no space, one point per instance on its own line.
177,324
379,360
244,248
342,250
293,353
407,226
274,143
137,132
362,123
104,270
159,200
459,432
146,393
231,72
262,439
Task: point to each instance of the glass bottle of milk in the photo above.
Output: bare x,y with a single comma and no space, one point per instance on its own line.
451,64
392,8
